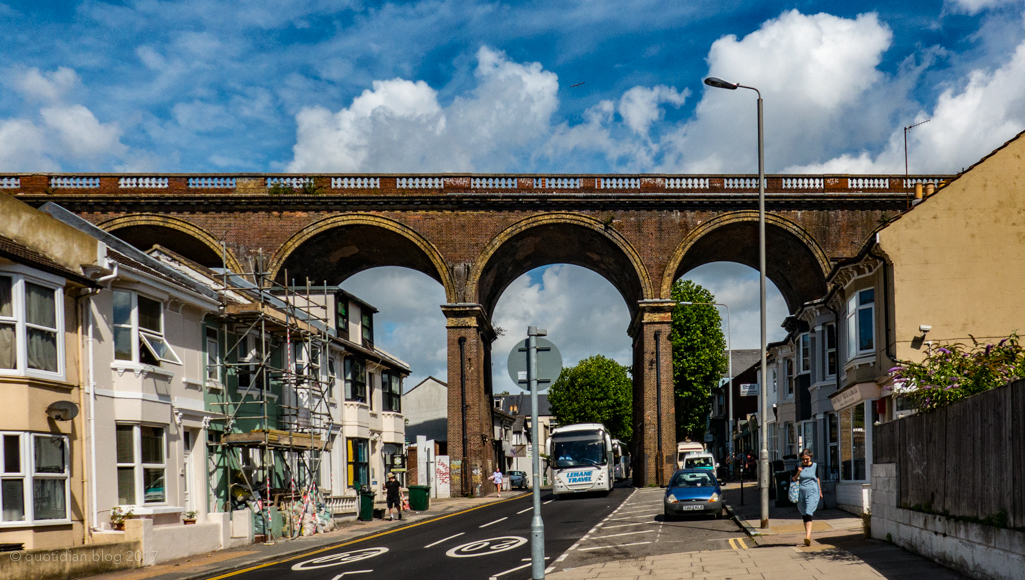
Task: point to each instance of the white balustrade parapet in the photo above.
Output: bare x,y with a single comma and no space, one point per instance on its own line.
212,182
143,182
293,182
355,183
619,183
556,182
802,183
687,183
868,183
420,182
494,182
913,181
741,183
74,182
340,505
10,182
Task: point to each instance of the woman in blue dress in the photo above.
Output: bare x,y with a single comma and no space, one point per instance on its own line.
811,491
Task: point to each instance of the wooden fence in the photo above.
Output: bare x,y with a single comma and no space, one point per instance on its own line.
964,460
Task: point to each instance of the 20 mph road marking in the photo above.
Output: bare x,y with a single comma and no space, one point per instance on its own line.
486,547
339,559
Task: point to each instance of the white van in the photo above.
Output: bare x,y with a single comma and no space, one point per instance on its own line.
685,447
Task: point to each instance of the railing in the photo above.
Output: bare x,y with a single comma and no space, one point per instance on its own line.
468,184
143,182
340,505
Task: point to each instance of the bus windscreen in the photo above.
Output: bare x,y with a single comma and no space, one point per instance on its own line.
580,448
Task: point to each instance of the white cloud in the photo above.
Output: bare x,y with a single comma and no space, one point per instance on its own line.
47,86
81,134
23,147
965,124
400,125
976,6
583,313
736,286
639,106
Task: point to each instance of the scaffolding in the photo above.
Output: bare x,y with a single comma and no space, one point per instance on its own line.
279,341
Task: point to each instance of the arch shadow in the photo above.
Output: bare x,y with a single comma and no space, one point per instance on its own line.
175,234
335,248
557,238
795,262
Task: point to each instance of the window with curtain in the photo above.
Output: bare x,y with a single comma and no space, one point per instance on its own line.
141,464
391,391
31,321
357,459
861,324
139,330
34,482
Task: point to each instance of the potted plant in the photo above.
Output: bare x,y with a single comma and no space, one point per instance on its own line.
189,517
118,517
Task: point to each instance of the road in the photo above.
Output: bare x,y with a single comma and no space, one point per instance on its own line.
493,541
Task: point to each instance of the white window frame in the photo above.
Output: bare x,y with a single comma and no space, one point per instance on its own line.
855,307
827,350
139,467
803,353
214,359
20,276
28,477
790,376
146,337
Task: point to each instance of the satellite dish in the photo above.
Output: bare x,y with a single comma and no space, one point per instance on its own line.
62,411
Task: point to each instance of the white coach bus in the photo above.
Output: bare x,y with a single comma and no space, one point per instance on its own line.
581,459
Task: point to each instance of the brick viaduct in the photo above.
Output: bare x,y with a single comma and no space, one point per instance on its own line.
475,234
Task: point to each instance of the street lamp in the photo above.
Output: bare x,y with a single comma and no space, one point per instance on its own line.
729,348
763,460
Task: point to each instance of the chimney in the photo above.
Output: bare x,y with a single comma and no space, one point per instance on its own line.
918,191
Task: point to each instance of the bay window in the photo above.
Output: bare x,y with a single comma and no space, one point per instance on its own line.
355,379
31,327
34,485
391,391
861,324
803,353
139,330
141,465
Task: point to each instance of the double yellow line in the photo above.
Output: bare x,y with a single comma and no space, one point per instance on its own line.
363,539
738,543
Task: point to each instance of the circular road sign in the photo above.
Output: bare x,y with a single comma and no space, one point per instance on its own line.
549,363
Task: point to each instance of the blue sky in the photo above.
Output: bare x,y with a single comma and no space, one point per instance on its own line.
461,85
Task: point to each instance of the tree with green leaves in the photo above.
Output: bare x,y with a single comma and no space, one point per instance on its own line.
596,390
699,357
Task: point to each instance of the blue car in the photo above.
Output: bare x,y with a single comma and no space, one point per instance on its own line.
693,492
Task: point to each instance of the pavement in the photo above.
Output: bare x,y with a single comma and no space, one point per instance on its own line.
225,561
839,550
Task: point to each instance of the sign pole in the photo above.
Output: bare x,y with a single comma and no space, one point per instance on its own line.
537,526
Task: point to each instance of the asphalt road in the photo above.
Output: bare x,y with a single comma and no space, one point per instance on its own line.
492,541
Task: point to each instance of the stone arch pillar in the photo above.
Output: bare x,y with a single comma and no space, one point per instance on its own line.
470,335
653,376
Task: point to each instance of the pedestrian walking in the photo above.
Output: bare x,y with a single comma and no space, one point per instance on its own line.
393,495
497,478
807,477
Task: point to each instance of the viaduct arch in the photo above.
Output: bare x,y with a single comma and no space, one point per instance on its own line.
475,234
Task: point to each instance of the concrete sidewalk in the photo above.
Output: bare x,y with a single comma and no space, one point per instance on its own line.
226,561
839,550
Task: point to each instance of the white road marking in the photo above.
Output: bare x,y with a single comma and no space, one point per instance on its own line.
614,546
625,534
635,517
495,576
626,525
445,540
494,522
525,511
548,502
529,559
352,572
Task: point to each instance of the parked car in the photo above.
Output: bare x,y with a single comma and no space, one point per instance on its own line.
699,461
518,479
693,492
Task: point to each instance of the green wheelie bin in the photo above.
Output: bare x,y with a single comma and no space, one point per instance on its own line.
366,505
419,498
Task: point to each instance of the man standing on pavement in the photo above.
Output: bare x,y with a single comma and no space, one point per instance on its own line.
393,496
497,478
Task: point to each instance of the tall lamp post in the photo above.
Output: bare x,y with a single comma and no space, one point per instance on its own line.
763,459
729,348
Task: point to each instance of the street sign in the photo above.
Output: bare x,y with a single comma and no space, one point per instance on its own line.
549,364
749,390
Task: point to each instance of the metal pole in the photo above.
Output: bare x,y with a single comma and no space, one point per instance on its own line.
763,464
660,466
537,527
729,349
